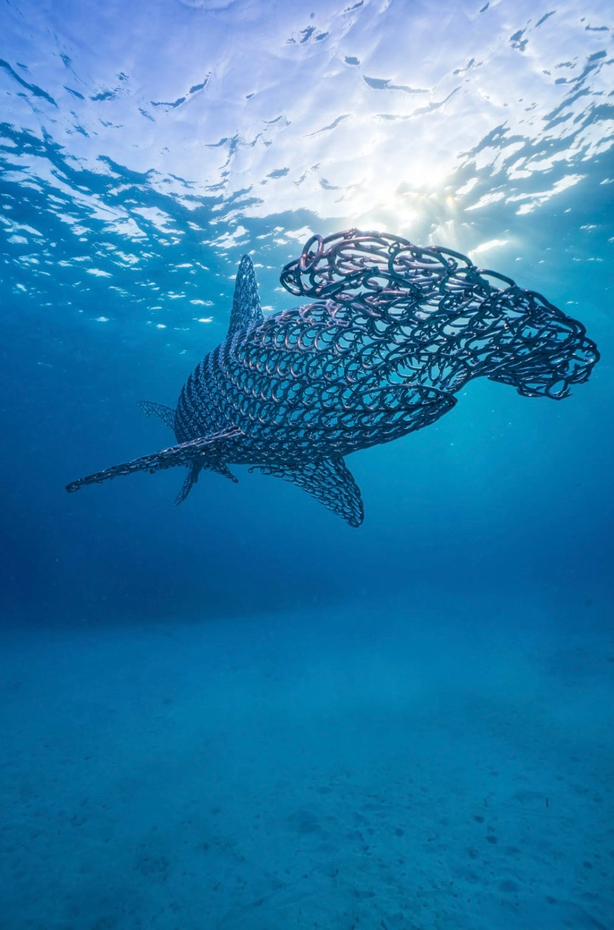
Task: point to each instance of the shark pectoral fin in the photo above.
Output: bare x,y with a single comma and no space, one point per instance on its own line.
213,448
330,482
166,414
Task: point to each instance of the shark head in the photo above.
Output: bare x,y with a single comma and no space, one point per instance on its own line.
546,351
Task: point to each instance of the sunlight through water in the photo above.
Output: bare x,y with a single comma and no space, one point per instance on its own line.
153,142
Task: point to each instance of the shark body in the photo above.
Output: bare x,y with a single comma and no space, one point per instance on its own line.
394,332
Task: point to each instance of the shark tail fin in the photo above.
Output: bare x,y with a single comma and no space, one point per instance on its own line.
210,450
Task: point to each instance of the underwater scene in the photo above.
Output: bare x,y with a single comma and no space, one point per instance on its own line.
307,553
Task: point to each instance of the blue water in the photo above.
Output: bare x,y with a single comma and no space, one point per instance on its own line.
240,712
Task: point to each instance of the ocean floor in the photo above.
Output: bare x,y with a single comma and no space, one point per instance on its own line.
363,768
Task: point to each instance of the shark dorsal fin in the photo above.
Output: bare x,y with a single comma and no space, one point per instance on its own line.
166,414
246,309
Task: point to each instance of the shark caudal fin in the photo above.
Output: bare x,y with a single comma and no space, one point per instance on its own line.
210,451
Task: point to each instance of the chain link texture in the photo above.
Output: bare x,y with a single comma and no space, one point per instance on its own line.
393,331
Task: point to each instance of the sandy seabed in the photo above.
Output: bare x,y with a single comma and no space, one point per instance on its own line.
363,768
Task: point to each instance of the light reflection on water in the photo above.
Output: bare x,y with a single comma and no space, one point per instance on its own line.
145,148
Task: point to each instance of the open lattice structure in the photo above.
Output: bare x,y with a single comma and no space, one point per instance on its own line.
392,331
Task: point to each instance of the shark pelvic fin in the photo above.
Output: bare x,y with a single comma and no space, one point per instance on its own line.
194,469
190,480
210,450
330,482
246,310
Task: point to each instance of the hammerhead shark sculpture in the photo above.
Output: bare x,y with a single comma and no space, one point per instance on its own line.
395,332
